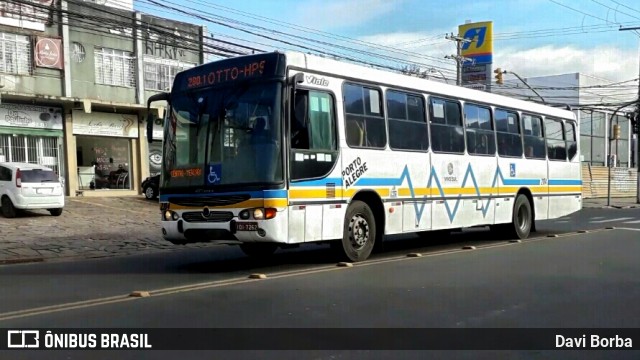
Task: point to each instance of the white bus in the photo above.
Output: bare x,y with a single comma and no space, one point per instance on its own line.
279,149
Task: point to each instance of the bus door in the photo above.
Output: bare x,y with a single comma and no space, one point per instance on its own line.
314,193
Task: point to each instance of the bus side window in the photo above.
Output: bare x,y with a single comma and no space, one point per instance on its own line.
312,127
533,138
556,146
508,133
364,119
447,133
570,136
313,135
299,123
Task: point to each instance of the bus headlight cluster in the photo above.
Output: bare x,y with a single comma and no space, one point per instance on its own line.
258,214
169,215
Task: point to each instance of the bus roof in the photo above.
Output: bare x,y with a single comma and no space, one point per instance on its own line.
386,78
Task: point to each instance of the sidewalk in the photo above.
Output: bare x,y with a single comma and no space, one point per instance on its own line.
88,228
618,203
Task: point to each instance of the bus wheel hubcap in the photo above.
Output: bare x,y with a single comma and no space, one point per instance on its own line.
149,192
523,218
358,231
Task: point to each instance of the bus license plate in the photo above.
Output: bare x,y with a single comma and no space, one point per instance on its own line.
246,226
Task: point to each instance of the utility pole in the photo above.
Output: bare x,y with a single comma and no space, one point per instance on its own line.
637,118
458,57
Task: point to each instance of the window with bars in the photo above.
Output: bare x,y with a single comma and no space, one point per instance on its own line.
115,67
15,54
159,73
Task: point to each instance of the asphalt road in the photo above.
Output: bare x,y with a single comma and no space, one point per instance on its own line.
575,280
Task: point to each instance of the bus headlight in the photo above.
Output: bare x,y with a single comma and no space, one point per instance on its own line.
170,215
258,214
264,214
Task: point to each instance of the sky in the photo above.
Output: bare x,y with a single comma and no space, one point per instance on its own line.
531,37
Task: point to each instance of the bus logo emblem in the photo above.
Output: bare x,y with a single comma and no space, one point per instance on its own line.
317,81
512,170
450,169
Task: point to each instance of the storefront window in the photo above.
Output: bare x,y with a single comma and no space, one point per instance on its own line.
103,162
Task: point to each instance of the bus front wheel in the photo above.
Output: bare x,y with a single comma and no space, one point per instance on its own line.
522,222
359,232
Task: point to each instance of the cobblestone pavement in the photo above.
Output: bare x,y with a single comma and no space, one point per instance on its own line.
88,228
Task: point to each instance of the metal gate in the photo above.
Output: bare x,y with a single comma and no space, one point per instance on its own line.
42,150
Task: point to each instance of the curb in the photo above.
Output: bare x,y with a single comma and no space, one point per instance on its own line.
21,261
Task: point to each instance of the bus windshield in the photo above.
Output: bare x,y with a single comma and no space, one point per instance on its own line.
224,136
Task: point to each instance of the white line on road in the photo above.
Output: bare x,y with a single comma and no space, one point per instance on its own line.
632,222
597,217
611,220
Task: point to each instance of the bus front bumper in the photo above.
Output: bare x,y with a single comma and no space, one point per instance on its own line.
229,232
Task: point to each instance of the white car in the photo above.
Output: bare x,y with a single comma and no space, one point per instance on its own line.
29,186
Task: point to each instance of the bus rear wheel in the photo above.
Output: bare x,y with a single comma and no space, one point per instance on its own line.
522,222
359,232
258,250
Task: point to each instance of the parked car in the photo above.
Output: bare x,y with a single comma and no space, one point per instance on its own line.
150,187
26,186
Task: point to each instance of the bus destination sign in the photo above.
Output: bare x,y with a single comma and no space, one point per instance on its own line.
231,70
220,76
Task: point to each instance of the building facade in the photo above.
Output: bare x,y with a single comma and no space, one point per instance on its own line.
74,78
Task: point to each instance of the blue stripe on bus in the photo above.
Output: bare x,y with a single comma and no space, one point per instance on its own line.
520,181
266,194
564,182
379,181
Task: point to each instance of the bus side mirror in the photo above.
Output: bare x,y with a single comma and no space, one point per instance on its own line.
150,121
297,79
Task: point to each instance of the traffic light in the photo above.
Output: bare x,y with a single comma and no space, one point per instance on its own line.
616,131
635,123
498,76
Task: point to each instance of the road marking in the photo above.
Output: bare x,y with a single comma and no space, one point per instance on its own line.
597,217
562,221
632,222
242,280
611,220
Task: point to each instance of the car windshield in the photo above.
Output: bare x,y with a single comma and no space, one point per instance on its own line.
38,175
224,137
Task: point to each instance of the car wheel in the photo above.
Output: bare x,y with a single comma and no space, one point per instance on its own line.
359,232
55,212
150,192
8,210
258,250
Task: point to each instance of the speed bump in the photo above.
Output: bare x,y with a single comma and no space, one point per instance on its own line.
257,276
344,264
139,294
515,241
414,255
468,248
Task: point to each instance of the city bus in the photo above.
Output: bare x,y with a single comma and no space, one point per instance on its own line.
280,149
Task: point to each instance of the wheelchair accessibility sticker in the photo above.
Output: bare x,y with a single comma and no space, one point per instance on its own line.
213,175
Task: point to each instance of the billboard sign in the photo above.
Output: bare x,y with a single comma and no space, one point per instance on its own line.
479,49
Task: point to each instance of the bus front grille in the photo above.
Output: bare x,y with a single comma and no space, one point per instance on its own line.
214,216
221,200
